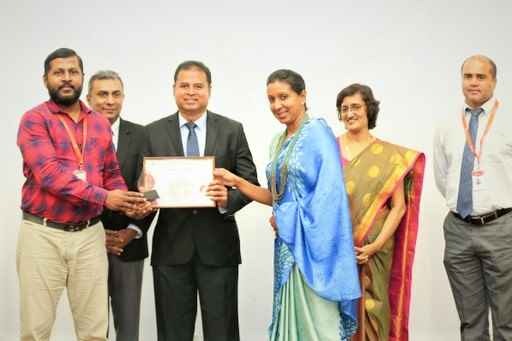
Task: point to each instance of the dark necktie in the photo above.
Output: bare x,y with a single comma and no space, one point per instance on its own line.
192,143
465,197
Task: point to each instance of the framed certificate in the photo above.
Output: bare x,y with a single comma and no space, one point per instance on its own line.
177,181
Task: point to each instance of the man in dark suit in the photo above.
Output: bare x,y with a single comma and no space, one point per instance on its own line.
125,238
197,250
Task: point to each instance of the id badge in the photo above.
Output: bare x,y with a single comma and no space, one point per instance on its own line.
79,173
477,174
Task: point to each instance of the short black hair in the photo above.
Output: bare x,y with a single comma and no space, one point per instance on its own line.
62,52
372,105
194,64
290,77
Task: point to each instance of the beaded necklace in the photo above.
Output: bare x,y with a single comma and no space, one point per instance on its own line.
277,194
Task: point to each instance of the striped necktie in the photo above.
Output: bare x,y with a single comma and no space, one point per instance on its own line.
192,143
465,197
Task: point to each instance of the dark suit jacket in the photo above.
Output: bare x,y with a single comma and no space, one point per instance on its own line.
181,233
130,149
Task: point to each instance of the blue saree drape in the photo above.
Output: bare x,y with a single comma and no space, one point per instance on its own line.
316,278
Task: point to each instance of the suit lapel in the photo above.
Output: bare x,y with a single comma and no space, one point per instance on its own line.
211,134
176,145
123,142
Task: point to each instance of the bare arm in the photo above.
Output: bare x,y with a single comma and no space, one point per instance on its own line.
390,225
254,192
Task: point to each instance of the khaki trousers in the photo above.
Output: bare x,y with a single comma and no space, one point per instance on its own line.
49,260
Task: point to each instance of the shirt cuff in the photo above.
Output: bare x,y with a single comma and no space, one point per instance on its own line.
99,196
222,210
136,229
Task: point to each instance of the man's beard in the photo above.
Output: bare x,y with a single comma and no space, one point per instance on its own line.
65,101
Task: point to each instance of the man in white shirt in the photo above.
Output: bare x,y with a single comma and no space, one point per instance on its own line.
126,238
472,168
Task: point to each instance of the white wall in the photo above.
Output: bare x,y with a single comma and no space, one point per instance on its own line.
408,52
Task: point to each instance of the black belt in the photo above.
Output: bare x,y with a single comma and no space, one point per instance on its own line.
71,227
484,218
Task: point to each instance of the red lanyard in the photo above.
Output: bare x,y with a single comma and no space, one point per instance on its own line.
469,140
78,153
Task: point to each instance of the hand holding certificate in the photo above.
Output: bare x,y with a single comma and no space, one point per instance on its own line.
177,181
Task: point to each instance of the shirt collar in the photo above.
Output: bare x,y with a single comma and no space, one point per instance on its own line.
200,122
487,106
54,108
115,127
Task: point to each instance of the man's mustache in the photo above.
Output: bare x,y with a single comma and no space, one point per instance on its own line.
66,85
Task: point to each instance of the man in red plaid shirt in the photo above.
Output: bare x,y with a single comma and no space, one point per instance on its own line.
71,173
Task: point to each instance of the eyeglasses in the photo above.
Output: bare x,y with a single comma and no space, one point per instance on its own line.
353,107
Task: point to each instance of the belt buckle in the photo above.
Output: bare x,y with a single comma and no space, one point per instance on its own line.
75,227
71,228
484,219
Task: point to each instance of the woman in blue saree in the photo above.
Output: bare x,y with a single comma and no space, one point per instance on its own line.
316,285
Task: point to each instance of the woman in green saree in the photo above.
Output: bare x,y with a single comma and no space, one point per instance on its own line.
383,182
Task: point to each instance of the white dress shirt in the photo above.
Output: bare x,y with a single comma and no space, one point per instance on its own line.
200,130
115,132
493,189
115,141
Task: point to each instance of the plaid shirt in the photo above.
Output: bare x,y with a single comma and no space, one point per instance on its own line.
51,190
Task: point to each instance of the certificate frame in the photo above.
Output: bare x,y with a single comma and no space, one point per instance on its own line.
179,181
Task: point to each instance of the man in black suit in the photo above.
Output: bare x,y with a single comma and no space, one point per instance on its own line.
197,250
125,238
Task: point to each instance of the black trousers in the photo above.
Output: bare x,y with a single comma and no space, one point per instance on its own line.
124,289
176,289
